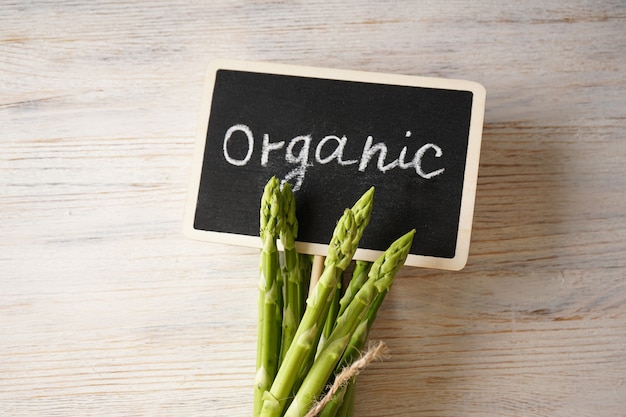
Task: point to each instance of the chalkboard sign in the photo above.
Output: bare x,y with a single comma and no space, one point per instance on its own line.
333,134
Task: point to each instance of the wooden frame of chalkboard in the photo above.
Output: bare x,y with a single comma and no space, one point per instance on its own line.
333,134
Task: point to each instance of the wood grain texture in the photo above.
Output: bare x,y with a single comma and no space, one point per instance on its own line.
106,310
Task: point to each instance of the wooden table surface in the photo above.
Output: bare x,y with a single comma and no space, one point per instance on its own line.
107,310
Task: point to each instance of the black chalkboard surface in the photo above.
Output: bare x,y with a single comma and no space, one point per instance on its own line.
333,134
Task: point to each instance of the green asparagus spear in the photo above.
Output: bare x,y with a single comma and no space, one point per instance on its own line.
340,252
305,264
334,405
359,276
362,210
291,272
333,311
358,339
269,326
340,402
360,336
347,406
380,279
354,349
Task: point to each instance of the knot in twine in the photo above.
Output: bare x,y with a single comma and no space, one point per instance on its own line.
375,352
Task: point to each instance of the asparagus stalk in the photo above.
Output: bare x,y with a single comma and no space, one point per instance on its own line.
357,341
380,280
340,404
346,409
291,272
269,326
333,311
353,351
362,210
340,252
359,276
334,405
360,336
305,264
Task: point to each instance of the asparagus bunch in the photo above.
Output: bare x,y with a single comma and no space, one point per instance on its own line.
340,254
301,346
379,282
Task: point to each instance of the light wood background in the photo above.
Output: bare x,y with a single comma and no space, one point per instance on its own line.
107,310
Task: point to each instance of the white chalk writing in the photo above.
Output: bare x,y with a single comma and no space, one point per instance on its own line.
329,149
